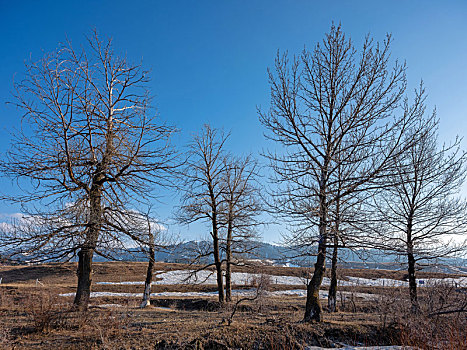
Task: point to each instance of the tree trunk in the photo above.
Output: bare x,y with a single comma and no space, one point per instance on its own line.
86,252
228,268
218,264
412,282
332,295
83,292
313,309
411,266
147,284
215,241
228,282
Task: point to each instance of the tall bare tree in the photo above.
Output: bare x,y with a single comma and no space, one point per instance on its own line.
420,214
332,106
242,206
90,150
203,186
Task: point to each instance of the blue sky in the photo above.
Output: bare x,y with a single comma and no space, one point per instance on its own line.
209,58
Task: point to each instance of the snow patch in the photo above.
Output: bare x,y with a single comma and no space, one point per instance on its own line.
177,277
236,292
210,277
109,305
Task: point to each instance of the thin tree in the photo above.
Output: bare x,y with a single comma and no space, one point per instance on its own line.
420,214
155,239
242,206
335,233
150,270
331,105
343,216
149,235
88,151
202,185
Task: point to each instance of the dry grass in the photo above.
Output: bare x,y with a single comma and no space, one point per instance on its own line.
436,325
33,316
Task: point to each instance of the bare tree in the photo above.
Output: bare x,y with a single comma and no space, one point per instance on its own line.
331,106
242,206
203,185
155,238
87,153
344,215
335,228
420,213
150,236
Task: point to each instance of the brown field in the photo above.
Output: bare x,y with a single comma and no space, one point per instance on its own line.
34,316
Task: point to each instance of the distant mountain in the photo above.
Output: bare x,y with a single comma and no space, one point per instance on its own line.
266,253
272,254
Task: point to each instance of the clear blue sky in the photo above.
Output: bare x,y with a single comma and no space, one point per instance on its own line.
209,58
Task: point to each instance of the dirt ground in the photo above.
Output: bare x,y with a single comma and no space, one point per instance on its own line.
34,316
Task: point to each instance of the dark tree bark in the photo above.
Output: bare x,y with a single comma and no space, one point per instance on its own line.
84,273
83,291
313,309
228,262
335,229
332,295
218,261
411,265
412,281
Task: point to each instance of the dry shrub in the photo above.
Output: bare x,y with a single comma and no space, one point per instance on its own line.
79,319
96,326
347,303
108,326
440,322
262,281
45,311
444,333
261,285
392,306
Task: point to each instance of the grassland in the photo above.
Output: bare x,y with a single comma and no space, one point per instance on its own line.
33,315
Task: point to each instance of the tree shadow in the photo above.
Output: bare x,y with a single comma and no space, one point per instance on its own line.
32,273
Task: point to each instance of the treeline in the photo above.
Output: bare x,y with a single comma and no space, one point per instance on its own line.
356,164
